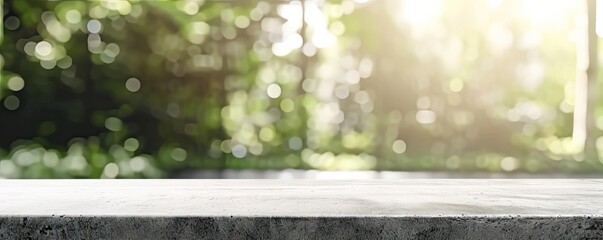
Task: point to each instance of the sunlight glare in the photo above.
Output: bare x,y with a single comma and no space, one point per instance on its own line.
549,13
420,12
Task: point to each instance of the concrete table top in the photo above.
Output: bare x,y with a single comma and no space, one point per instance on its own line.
301,198
475,208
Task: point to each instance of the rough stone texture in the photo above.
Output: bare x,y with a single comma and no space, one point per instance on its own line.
301,209
300,228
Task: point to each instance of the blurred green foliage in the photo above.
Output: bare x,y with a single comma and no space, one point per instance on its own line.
124,89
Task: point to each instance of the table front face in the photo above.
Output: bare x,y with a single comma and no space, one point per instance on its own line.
302,198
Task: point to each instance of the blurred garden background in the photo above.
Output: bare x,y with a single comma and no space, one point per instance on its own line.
150,88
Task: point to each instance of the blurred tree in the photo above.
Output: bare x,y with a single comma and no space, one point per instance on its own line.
146,88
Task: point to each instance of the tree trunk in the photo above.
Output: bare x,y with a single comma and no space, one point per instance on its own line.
590,148
585,131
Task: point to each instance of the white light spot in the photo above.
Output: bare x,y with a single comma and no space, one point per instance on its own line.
287,105
295,143
65,62
399,146
274,90
242,22
295,41
15,83
131,144
48,64
309,50
309,85
280,49
95,43
112,50
239,151
342,92
30,48
366,68
77,163
425,116
200,27
111,170
197,31
324,39
225,146
43,48
73,16
138,164
191,8
113,124
178,154
50,159
362,97
266,134
367,107
509,163
94,26
419,13
11,103
352,76
7,167
133,85
256,149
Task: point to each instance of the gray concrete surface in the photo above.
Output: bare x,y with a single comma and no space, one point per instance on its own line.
302,209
